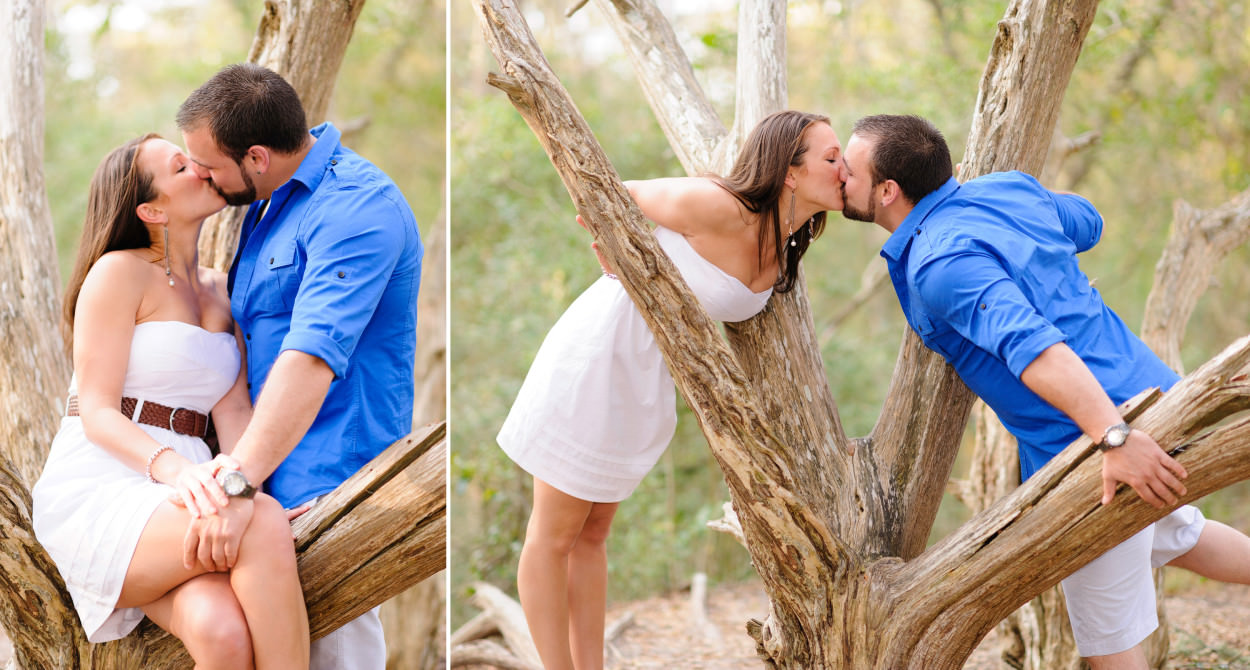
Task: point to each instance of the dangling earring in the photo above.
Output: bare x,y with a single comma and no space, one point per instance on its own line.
790,222
168,272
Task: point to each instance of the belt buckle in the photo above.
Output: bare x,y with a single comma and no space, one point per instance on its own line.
173,414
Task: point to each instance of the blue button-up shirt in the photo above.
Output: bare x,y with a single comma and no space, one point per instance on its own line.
986,273
332,269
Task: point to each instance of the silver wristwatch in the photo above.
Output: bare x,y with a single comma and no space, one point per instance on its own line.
235,484
1114,436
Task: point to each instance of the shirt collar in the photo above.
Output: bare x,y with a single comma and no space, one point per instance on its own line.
902,236
318,160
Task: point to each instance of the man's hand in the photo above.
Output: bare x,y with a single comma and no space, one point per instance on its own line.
196,488
1143,465
213,541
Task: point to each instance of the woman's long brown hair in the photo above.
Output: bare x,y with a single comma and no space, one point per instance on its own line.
118,187
758,178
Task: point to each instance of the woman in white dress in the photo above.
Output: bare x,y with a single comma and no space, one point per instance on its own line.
597,407
131,504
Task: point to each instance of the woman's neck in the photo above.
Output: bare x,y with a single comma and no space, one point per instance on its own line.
183,251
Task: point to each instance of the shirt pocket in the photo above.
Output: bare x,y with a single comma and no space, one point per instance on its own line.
931,333
280,276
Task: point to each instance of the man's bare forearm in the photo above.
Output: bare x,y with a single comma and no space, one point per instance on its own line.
293,394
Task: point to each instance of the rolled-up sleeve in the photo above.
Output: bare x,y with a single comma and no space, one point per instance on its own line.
971,291
1081,221
352,248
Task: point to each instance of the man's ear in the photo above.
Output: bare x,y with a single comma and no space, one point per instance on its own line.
890,193
258,158
149,213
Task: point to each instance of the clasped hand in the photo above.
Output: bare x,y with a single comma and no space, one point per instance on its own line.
218,521
1144,466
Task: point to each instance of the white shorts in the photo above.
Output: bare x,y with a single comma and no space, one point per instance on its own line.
1111,601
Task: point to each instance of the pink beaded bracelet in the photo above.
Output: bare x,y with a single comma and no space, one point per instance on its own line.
152,459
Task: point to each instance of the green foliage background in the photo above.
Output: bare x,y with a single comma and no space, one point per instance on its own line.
132,65
1175,128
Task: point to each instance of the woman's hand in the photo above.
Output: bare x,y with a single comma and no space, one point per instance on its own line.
196,487
603,263
214,541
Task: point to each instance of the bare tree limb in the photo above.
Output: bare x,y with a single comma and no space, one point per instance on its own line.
692,127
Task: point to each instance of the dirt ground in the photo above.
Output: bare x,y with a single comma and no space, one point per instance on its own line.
1210,628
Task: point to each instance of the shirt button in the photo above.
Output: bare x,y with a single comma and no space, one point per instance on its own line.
271,261
334,162
982,305
247,336
342,274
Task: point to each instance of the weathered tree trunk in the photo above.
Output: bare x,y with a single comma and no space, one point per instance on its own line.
36,373
414,623
1199,240
304,41
830,559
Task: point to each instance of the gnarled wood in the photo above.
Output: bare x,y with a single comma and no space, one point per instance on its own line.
1199,240
1028,70
33,383
689,122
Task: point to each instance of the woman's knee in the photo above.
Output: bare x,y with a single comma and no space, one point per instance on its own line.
269,531
215,631
598,526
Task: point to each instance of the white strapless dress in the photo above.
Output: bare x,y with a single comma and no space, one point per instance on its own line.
89,508
598,406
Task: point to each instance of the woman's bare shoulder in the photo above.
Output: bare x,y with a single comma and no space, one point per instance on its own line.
690,205
120,265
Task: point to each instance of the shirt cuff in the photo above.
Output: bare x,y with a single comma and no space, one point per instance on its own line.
1023,353
322,346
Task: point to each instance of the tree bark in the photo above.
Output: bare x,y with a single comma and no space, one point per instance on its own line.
1199,240
37,371
1028,70
304,41
689,122
762,85
841,596
414,624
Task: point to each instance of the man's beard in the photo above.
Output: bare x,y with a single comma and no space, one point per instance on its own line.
850,211
245,197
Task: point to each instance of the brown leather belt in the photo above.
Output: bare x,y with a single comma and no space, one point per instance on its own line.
178,419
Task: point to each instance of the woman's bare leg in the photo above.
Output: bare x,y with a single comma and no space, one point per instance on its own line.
1222,553
588,587
205,615
543,573
264,582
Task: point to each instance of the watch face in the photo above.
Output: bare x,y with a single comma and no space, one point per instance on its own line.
233,482
1116,436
